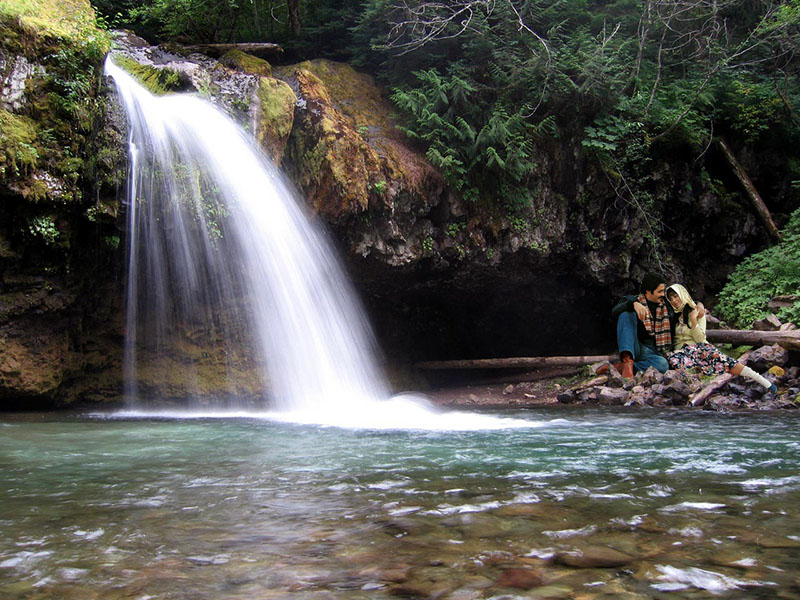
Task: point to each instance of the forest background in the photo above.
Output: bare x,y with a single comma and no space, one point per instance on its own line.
478,82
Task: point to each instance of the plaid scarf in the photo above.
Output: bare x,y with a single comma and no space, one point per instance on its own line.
659,328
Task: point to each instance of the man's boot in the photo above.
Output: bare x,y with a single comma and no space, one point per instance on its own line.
627,366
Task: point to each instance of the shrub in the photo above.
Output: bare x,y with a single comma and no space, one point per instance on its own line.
762,276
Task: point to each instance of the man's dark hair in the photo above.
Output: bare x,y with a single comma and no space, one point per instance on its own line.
650,282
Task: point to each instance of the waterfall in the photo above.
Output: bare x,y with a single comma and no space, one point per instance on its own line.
220,251
214,227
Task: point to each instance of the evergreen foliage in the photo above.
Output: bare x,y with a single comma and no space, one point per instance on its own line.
762,276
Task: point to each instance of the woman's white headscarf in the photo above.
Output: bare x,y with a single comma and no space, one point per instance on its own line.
683,294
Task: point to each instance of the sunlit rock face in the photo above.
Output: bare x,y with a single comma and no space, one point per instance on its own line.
356,168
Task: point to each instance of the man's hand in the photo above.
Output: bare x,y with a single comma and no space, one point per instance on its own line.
641,310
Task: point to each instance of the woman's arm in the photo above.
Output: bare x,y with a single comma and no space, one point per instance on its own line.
697,323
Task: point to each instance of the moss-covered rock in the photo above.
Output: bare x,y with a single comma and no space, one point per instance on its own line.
241,61
274,116
157,81
354,165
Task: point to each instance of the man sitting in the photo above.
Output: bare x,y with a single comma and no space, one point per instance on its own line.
643,328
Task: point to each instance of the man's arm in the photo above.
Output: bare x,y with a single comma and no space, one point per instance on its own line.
624,305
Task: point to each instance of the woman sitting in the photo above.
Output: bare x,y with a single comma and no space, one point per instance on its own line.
690,346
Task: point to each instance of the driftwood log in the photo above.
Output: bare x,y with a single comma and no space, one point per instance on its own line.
700,397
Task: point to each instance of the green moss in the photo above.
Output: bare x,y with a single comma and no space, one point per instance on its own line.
18,151
158,81
241,61
72,21
277,106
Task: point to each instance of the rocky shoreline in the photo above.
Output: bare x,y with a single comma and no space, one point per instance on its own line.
647,389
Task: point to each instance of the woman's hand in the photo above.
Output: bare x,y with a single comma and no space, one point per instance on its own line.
697,313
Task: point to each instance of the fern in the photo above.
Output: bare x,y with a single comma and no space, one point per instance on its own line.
771,272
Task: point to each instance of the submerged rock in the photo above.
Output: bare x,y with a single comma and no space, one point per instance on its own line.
524,579
594,557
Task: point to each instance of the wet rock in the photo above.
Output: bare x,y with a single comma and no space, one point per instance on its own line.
594,557
551,592
609,396
650,377
763,358
524,579
509,389
464,594
615,379
274,116
566,397
393,575
676,392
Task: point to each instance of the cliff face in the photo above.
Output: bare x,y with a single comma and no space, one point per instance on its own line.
59,245
442,277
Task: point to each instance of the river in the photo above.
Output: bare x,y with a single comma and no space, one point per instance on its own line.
584,503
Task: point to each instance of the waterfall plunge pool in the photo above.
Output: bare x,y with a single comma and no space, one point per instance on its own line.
681,505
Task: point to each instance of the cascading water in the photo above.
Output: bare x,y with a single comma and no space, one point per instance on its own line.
218,248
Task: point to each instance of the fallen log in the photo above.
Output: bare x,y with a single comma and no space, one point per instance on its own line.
700,397
750,189
788,339
216,50
520,362
743,337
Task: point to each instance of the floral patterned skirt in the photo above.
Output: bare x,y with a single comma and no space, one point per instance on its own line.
706,357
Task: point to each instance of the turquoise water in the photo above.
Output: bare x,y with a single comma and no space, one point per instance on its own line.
685,505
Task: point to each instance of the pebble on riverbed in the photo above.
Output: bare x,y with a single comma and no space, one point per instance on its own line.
677,388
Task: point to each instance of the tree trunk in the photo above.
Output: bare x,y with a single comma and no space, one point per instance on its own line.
752,193
294,16
788,339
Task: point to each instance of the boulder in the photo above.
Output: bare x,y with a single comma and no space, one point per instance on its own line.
766,356
650,377
779,302
768,323
274,116
609,396
566,397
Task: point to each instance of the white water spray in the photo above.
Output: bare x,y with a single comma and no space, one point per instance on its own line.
218,245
